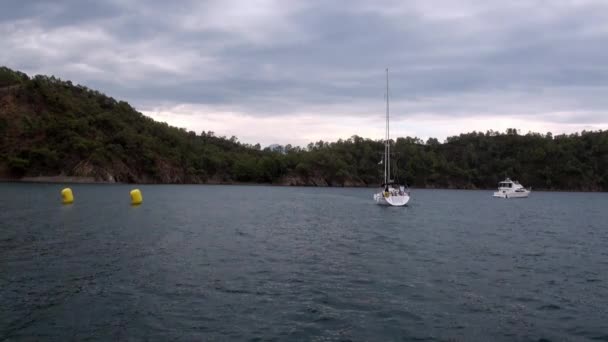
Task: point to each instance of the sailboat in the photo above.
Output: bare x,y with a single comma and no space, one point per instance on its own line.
391,193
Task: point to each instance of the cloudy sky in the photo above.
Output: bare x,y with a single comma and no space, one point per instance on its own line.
299,71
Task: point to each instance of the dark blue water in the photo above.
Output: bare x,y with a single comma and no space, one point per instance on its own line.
274,263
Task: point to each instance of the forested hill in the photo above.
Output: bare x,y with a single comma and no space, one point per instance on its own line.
50,127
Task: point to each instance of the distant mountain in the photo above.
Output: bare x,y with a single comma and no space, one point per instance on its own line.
54,130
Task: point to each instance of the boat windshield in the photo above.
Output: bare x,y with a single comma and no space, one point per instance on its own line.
505,185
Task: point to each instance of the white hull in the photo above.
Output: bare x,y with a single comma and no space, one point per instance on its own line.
512,194
392,200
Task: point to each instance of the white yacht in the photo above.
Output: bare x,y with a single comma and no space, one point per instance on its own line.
511,189
391,193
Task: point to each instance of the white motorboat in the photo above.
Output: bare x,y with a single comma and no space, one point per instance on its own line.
511,189
391,192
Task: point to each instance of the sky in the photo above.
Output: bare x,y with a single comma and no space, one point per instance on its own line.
293,72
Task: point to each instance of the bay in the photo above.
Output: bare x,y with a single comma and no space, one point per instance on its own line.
294,263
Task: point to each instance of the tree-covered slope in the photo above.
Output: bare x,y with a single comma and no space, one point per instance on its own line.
51,127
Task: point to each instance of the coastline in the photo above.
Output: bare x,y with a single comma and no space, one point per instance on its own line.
56,179
91,180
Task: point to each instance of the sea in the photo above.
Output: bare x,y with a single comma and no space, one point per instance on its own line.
266,263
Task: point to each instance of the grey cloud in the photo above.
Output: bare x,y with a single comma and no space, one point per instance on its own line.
496,57
51,14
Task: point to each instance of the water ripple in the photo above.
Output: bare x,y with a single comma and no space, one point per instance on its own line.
301,264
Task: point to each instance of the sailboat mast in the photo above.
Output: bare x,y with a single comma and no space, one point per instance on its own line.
388,137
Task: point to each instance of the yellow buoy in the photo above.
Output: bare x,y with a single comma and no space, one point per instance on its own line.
67,196
136,197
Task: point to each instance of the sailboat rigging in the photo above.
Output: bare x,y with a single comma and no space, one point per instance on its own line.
391,193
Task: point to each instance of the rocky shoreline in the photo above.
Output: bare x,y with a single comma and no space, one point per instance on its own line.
285,181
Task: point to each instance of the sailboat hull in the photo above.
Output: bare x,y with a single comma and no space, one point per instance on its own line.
392,200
